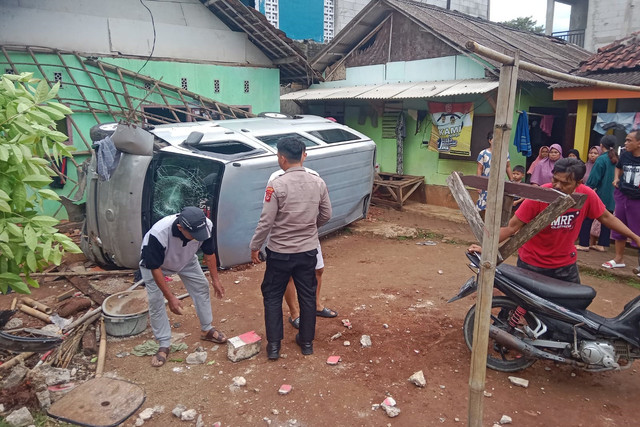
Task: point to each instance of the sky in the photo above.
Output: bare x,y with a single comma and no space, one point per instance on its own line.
505,10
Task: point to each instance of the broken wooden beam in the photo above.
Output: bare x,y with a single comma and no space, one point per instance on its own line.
468,208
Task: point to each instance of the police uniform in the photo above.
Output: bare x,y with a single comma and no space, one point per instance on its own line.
295,205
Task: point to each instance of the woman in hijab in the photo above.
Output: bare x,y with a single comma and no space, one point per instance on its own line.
601,180
594,152
543,153
543,173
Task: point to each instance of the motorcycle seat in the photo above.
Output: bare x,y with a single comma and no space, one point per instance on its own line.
567,294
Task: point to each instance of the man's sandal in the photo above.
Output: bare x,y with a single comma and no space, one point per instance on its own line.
215,336
160,360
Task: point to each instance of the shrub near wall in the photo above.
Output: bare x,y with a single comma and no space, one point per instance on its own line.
28,142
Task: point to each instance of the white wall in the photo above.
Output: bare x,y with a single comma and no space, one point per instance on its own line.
185,29
345,10
609,21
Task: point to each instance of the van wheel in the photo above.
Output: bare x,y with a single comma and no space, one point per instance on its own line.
272,115
101,131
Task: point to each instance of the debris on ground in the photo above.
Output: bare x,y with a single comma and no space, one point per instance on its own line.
188,415
505,420
418,379
197,358
365,341
347,323
239,381
285,389
520,382
150,347
178,410
20,417
243,346
336,336
333,360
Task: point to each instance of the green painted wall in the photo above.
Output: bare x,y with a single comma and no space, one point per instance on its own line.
418,158
264,94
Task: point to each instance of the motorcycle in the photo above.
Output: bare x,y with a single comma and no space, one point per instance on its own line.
540,317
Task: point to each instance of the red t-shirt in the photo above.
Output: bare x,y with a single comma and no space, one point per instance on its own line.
553,246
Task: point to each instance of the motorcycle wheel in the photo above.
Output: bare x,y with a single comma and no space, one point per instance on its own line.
500,358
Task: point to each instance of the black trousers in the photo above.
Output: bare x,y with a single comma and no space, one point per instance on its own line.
568,273
585,234
280,267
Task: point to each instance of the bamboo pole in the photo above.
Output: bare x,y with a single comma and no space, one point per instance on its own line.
35,313
502,133
527,66
13,303
84,273
18,359
37,305
102,350
91,314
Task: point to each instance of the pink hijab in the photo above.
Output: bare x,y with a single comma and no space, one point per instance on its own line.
590,164
537,160
543,173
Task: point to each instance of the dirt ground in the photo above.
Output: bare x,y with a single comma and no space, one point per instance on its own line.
372,281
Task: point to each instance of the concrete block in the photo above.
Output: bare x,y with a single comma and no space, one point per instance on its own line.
243,346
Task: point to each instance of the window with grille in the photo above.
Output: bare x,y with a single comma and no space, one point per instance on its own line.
216,86
246,86
184,83
147,86
57,77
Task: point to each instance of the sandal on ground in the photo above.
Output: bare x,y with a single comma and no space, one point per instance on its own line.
161,360
582,248
636,271
215,336
597,248
295,322
326,312
613,264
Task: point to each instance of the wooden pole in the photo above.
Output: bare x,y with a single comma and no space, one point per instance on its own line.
501,136
527,66
102,350
83,273
18,359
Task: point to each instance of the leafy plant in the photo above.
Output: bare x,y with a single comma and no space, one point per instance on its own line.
28,142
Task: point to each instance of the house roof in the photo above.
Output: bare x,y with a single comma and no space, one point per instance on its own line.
274,43
455,29
621,55
396,90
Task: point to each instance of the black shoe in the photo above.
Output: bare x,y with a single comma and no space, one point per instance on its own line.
273,350
306,347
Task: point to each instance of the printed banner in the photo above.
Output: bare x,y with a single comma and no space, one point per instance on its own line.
451,129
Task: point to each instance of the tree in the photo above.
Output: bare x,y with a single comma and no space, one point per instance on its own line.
526,24
28,142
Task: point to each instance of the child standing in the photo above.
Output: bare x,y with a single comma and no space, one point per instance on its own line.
517,175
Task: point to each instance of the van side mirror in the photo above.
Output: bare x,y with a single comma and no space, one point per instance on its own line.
194,138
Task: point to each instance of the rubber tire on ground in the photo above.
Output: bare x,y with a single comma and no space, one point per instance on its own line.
101,131
493,362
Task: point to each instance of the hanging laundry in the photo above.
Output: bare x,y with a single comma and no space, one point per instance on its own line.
606,121
522,141
636,121
546,124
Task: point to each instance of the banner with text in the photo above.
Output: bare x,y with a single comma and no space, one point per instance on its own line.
451,129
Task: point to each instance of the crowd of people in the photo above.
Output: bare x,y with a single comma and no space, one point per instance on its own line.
612,210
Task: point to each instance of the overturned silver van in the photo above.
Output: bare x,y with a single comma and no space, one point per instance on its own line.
222,167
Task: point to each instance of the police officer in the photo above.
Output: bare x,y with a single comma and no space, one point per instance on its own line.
295,205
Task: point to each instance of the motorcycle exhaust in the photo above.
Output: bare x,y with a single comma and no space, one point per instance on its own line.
506,339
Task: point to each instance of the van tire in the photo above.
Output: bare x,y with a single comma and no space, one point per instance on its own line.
274,115
101,131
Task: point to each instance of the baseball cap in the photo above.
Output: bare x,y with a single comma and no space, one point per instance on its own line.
194,221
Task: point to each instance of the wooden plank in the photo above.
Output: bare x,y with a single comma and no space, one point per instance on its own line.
542,220
505,216
507,87
526,191
468,208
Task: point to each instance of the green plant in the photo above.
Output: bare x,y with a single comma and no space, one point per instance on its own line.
28,142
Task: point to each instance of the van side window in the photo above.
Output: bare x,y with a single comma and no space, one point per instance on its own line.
331,136
224,147
272,140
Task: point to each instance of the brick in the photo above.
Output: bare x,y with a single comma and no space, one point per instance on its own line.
333,360
243,346
285,389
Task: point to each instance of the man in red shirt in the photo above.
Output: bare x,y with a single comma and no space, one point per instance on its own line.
552,251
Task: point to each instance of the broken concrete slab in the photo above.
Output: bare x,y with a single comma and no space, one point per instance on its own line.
520,382
243,346
197,358
418,379
20,418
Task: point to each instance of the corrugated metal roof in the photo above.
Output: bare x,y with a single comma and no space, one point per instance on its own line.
456,29
396,90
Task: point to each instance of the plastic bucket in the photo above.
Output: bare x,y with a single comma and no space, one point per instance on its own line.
127,325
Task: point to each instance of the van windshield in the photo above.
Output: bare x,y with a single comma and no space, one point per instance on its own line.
272,140
331,136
